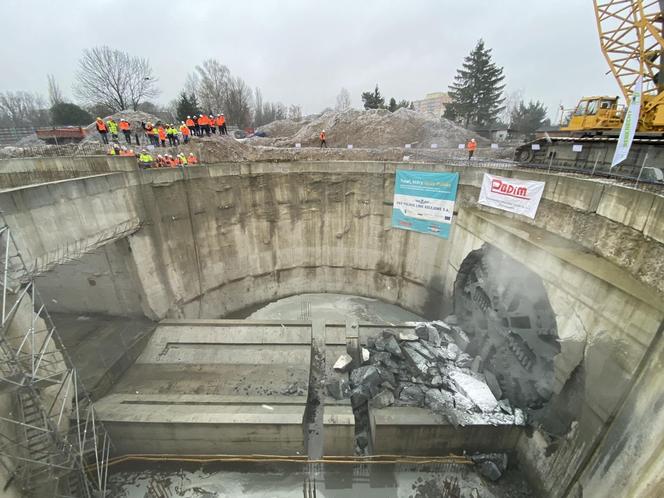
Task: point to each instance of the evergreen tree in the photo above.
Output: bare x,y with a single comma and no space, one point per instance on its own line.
373,100
527,119
476,93
393,105
64,113
187,105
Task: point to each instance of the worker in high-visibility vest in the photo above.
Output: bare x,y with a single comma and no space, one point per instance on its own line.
112,128
186,132
322,136
161,133
101,128
145,160
182,159
192,159
471,146
125,128
224,131
191,125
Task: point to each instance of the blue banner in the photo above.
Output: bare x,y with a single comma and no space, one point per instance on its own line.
424,201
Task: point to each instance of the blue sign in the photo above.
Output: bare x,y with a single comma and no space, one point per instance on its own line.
424,201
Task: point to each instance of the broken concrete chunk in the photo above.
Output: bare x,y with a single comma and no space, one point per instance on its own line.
439,400
460,338
419,363
434,336
492,382
365,376
464,361
475,390
451,320
386,341
411,394
423,348
519,417
476,365
408,336
454,350
338,388
489,470
436,381
505,407
343,363
366,356
383,399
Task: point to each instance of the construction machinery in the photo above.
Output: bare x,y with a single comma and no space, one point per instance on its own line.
631,38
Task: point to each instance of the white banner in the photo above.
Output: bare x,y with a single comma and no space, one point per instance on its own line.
510,194
629,125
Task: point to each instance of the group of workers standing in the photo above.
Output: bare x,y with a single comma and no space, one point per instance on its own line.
160,133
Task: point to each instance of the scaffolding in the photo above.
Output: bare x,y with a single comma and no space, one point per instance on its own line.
51,444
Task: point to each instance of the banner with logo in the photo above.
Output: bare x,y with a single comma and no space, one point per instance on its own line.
511,194
424,201
629,125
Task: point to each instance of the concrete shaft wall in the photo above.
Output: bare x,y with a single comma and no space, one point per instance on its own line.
219,239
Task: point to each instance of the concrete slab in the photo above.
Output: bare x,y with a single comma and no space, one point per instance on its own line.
419,432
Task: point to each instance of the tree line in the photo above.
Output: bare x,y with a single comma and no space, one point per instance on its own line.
109,80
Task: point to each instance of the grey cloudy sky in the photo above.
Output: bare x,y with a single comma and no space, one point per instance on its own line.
302,52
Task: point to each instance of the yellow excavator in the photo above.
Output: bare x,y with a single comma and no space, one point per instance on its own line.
631,38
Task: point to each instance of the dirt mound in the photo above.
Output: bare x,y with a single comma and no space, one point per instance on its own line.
377,128
216,148
281,128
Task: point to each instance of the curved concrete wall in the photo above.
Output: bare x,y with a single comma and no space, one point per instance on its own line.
218,239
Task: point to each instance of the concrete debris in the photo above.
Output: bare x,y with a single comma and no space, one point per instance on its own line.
460,338
451,320
338,388
476,365
489,470
408,336
382,399
475,390
492,382
366,356
464,361
343,363
411,394
428,371
387,342
491,465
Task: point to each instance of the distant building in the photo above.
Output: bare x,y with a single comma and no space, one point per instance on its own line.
433,103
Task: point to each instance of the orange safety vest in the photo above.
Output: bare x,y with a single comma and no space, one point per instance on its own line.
211,120
192,160
322,135
471,145
220,120
190,122
124,125
185,130
203,121
162,133
101,126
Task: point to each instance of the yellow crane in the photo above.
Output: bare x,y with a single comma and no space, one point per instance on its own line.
631,39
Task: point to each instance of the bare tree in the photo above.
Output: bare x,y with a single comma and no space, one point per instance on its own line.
114,79
511,103
343,100
295,112
54,92
19,109
238,102
259,119
210,83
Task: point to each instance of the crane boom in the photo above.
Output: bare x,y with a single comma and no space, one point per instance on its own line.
630,33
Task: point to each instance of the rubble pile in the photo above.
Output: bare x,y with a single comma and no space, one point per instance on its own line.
425,368
374,128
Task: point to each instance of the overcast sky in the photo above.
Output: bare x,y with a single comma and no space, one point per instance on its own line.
303,52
